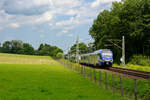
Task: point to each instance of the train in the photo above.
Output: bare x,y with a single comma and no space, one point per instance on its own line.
99,58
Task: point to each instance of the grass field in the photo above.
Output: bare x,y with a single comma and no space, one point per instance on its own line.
42,78
143,86
24,59
135,67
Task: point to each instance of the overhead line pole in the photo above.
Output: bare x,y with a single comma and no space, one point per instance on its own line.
122,48
123,51
77,50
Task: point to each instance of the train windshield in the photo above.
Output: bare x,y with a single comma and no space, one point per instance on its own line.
107,54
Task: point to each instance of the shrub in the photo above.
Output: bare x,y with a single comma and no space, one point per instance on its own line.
140,60
59,55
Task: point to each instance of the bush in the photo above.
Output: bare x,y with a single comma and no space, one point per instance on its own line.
59,55
140,60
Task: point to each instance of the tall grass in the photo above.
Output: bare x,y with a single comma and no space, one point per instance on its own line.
140,60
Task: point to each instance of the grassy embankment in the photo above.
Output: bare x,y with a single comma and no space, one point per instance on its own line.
42,78
135,67
137,62
143,86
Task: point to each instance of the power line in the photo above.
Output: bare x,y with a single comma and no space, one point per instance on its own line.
120,47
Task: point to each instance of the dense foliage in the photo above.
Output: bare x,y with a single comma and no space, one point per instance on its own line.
83,48
48,50
129,18
18,47
140,60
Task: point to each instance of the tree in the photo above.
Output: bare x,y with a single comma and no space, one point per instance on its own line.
48,50
59,55
28,49
1,48
82,48
129,18
41,47
6,48
16,46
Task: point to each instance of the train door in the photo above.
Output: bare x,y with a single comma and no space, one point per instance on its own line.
88,59
98,59
82,59
94,60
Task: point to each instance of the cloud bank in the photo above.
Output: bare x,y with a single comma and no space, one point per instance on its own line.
74,13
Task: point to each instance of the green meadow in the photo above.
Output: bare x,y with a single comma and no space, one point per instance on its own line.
41,78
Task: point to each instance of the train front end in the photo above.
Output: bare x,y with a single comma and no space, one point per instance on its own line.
106,58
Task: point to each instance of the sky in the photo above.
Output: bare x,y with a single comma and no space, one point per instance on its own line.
55,22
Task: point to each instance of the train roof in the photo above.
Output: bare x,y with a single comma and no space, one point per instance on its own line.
96,52
87,54
101,50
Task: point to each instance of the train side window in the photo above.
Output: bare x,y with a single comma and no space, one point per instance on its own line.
99,57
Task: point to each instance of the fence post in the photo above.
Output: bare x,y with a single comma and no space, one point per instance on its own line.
113,84
68,65
91,74
76,68
106,80
94,76
121,85
71,65
87,73
81,70
135,90
99,77
84,71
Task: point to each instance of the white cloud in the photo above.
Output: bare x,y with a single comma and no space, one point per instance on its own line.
47,16
71,12
98,2
67,3
95,3
47,11
14,25
26,7
66,22
4,17
41,2
50,24
64,31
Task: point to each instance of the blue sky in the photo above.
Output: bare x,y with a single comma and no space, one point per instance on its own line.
56,22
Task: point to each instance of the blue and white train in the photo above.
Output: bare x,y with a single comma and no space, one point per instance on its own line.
100,58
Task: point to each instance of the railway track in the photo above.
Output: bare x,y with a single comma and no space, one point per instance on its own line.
129,72
136,73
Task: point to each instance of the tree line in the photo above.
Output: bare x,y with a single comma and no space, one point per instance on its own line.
18,47
83,48
129,18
